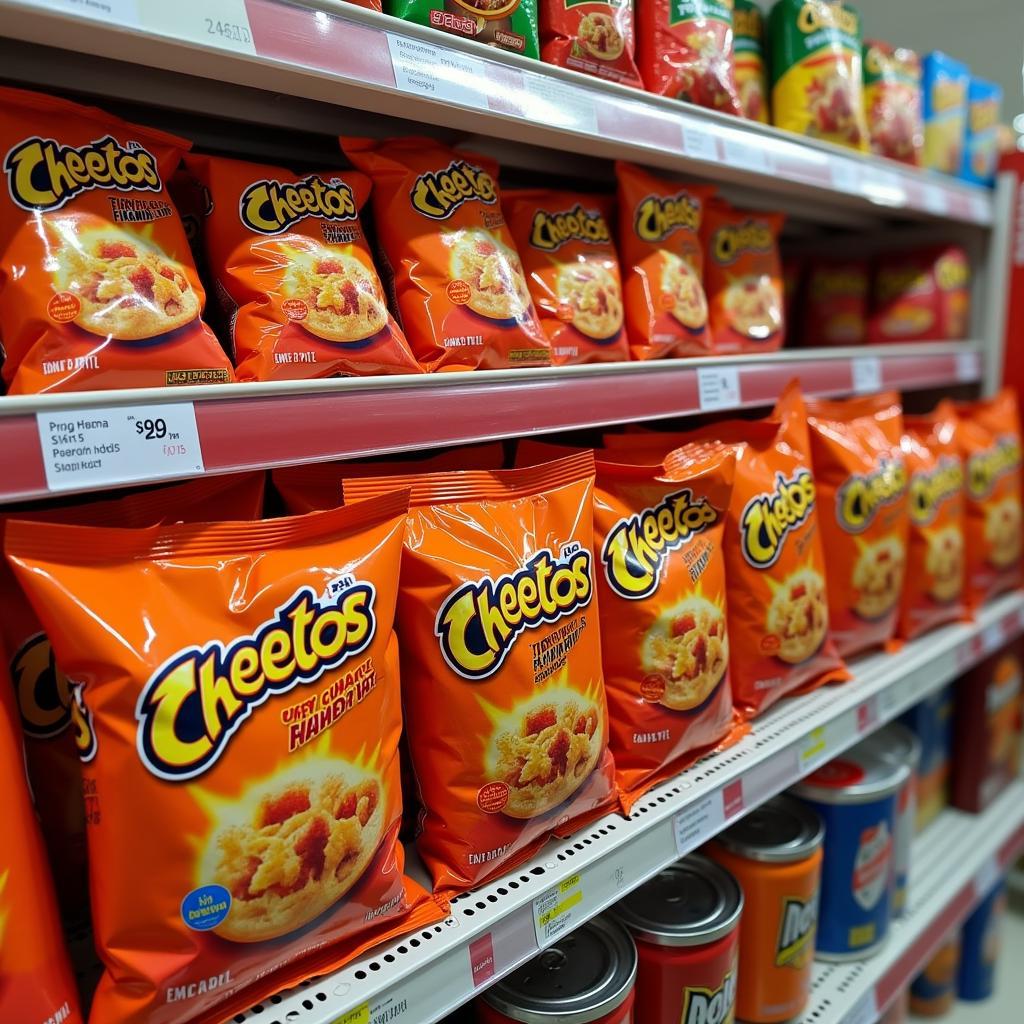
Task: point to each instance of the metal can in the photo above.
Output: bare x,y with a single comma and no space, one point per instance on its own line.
855,794
933,991
979,946
685,924
585,977
775,853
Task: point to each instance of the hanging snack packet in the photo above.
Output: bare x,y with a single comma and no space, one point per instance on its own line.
861,474
685,50
816,71
97,284
946,84
663,264
835,306
892,102
572,270
743,278
501,663
241,685
505,24
933,590
592,36
988,433
458,279
751,70
289,254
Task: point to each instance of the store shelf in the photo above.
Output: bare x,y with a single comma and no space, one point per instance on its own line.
493,930
327,50
954,864
252,426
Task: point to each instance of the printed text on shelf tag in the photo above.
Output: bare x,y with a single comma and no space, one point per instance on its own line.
813,750
865,1010
384,1010
718,387
559,104
558,910
360,1015
119,444
120,12
748,155
220,23
699,144
698,822
436,71
988,877
867,374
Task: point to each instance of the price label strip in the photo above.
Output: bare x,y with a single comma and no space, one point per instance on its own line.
718,387
437,71
813,750
558,910
381,1011
118,12
699,144
698,822
220,23
867,375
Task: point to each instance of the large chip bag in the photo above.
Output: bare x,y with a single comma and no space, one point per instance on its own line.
241,685
97,284
592,36
685,50
743,278
988,433
933,587
750,65
36,983
861,473
835,303
460,286
504,24
49,704
663,264
289,253
572,269
892,102
501,663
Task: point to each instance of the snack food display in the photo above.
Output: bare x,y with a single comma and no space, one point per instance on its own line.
97,284
593,36
892,102
981,142
255,662
506,24
946,83
750,66
835,303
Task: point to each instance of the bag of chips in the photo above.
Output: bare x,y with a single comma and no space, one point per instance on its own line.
861,474
240,683
97,284
592,36
501,663
892,102
835,303
289,254
751,69
663,264
505,24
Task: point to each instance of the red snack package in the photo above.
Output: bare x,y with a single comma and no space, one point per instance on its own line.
835,303
592,36
892,102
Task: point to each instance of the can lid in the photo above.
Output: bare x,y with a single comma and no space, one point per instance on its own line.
691,903
860,775
583,976
780,831
895,742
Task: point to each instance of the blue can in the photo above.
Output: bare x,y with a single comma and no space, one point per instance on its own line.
979,946
855,794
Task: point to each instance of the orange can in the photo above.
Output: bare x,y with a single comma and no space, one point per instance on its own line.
775,854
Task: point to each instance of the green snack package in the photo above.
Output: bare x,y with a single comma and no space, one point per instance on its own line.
507,24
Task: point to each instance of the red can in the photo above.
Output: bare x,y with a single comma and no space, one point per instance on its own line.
685,924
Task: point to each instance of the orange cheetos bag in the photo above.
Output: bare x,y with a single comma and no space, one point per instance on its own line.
240,683
501,663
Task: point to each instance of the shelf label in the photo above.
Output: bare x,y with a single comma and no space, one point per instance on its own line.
436,71
699,144
845,176
698,822
360,1015
732,798
813,750
867,716
935,200
867,374
988,877
981,208
865,1010
968,366
481,960
558,910
718,387
559,104
220,23
747,155
119,445
120,12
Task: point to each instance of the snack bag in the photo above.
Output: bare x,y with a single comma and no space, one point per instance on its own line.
240,685
36,984
988,433
506,24
816,71
861,473
743,278
751,71
459,282
946,83
501,663
835,306
566,246
592,36
793,281
289,254
892,102
97,285
685,50
981,144
663,264
933,588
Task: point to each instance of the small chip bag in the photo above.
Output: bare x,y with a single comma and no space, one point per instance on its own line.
36,983
663,264
892,102
97,284
505,24
988,433
835,303
861,473
501,663
240,684
592,36
981,143
933,587
289,255
458,279
685,50
572,269
743,278
946,84
751,70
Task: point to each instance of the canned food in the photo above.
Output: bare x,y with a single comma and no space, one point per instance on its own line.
584,977
685,923
979,946
856,797
775,854
933,991
931,721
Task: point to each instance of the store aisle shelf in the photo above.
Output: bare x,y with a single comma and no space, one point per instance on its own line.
492,930
330,51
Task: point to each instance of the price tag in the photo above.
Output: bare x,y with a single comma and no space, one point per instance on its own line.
481,960
120,12
436,71
220,23
865,1010
867,375
559,104
988,877
935,200
813,750
698,822
845,176
699,144
718,387
360,1015
120,444
867,716
968,366
981,208
558,910
748,155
